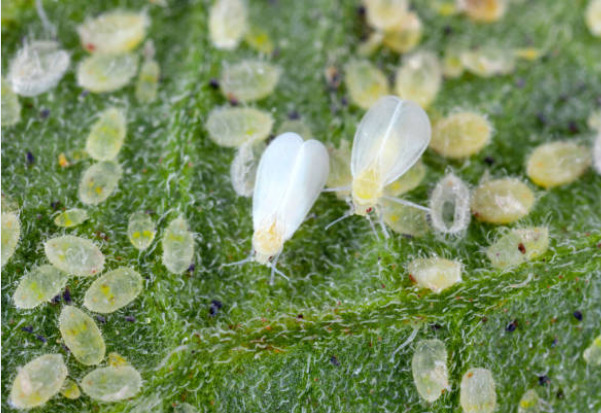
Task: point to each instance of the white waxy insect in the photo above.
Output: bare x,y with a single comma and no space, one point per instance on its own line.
531,403
385,14
557,163
483,11
429,367
404,219
405,37
435,273
249,80
592,355
99,182
81,335
70,390
365,82
461,135
296,126
141,230
102,73
228,23
178,246
518,246
419,78
450,205
231,127
478,394
71,217
290,177
11,232
113,290
389,140
184,408
488,61
38,381
37,67
113,32
148,79
39,285
408,181
11,108
112,383
597,153
243,171
592,17
502,201
107,135
74,255
340,171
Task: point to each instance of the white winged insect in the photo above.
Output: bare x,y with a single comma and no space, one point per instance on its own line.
390,139
290,177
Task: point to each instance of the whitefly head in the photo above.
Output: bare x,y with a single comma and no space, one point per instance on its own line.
390,139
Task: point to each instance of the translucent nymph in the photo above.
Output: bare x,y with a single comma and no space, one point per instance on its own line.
113,32
592,354
37,67
429,367
365,82
227,23
107,135
408,181
518,246
484,11
38,381
385,14
99,182
102,73
461,135
11,232
71,217
112,383
419,78
39,285
81,335
249,80
258,39
70,390
488,61
557,163
243,170
450,205
113,290
502,201
435,273
404,219
530,402
11,108
178,246
478,394
234,126
592,17
141,230
404,37
74,255
148,78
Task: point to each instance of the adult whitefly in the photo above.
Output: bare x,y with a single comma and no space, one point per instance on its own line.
113,32
502,201
435,273
178,246
141,230
243,170
102,73
234,126
81,335
39,285
74,255
419,78
461,135
227,23
450,205
71,217
38,381
37,67
11,232
429,367
11,108
365,82
518,246
557,163
592,354
112,383
113,290
107,135
249,80
99,182
477,391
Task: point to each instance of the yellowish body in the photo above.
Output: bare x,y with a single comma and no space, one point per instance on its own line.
268,241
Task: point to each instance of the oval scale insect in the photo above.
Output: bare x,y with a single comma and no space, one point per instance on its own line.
74,255
243,171
39,285
70,390
477,391
107,135
113,290
38,381
404,219
113,32
11,232
232,127
406,36
592,17
99,182
489,61
483,11
228,23
141,230
518,246
592,355
557,163
71,218
178,246
530,402
419,78
450,205
435,273
385,14
101,73
408,181
81,335
112,383
11,108
365,82
461,135
148,79
429,367
502,201
249,80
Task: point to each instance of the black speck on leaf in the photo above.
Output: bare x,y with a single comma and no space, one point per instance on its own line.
130,318
334,361
544,380
55,205
44,113
215,307
30,158
214,83
293,115
67,295
510,328
41,338
489,160
578,315
522,248
101,319
27,329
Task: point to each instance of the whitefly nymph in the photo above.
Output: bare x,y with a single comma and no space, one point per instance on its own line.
450,205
